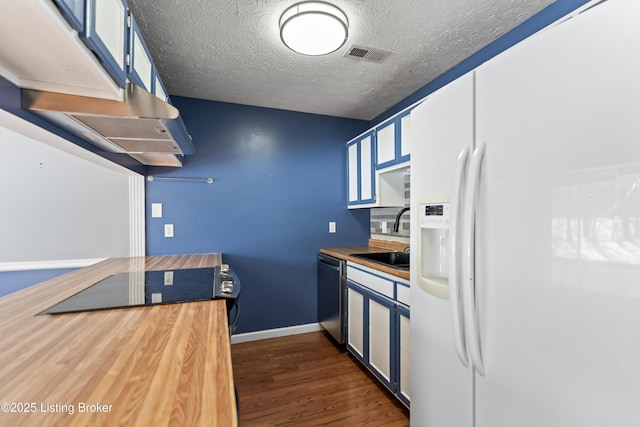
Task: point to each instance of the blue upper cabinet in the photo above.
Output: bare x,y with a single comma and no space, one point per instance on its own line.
141,70
360,172
158,87
392,141
73,12
377,163
386,142
105,33
403,146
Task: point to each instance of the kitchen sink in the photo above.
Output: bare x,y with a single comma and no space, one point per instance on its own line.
398,260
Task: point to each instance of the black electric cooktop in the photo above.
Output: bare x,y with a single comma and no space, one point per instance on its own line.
145,288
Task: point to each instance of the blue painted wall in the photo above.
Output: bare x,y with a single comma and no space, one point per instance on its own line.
547,16
280,177
11,281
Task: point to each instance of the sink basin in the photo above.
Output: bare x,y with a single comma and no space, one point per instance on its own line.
397,260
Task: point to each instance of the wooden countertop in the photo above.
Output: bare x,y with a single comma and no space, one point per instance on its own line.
143,366
374,246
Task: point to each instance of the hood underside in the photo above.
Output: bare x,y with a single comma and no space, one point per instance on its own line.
141,125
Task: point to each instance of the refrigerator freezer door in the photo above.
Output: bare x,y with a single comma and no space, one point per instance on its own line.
558,249
441,387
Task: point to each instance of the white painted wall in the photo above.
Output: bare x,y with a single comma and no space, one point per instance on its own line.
61,202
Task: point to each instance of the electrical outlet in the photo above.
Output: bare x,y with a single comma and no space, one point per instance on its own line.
168,278
384,227
168,230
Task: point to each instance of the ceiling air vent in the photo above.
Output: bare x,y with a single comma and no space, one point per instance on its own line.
366,53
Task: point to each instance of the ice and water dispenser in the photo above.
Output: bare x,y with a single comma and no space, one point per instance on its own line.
433,244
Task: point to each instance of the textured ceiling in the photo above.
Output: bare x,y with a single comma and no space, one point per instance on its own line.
231,51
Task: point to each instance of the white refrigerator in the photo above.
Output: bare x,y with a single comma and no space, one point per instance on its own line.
525,294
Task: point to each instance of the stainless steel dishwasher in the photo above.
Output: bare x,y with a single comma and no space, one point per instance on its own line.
332,280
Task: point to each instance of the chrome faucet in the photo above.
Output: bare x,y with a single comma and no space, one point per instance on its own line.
396,225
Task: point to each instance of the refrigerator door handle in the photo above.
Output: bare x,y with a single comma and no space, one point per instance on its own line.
470,291
455,291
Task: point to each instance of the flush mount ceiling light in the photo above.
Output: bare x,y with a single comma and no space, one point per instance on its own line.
313,28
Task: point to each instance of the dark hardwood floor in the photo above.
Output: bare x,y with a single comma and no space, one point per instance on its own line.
306,380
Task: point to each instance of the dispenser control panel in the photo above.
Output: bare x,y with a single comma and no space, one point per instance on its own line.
434,215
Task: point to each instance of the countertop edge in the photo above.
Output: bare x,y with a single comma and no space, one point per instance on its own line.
109,357
345,254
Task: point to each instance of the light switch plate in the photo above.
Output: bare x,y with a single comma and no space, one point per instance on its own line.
168,230
332,227
156,210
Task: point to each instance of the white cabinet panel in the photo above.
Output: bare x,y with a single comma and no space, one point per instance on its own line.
366,169
141,68
372,281
403,294
106,34
355,320
386,144
109,24
380,324
353,172
393,141
159,89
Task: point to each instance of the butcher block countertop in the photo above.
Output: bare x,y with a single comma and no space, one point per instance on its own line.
141,366
374,246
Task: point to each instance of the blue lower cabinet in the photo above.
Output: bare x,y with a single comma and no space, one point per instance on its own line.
403,354
357,338
378,328
381,332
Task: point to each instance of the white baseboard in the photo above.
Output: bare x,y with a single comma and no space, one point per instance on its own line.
275,333
48,265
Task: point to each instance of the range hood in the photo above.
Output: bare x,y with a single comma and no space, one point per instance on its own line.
141,125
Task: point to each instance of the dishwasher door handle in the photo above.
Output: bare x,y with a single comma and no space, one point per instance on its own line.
333,267
329,262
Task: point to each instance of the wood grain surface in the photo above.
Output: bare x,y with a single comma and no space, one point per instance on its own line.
144,366
374,246
306,380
